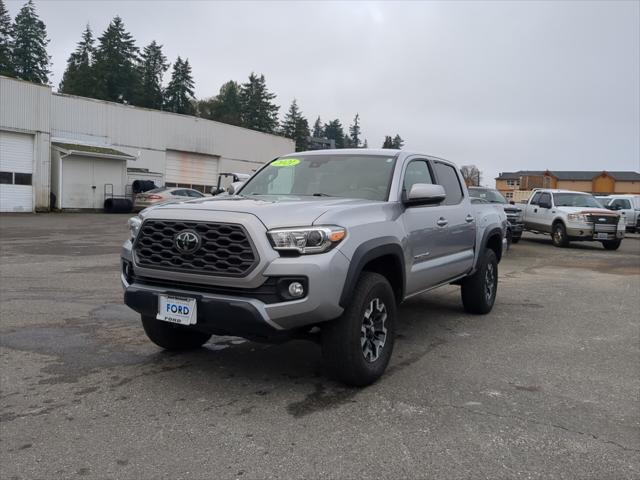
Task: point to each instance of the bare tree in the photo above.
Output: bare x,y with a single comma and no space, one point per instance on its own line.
471,174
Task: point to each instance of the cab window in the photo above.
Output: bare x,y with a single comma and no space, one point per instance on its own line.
448,178
621,203
536,198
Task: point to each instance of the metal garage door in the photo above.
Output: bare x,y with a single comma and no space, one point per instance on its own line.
84,178
16,172
191,170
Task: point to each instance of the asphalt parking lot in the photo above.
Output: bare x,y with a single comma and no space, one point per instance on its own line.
546,386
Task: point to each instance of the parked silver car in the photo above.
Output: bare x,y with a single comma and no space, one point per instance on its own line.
163,194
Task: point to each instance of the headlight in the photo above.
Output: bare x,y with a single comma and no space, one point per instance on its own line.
306,239
578,217
134,226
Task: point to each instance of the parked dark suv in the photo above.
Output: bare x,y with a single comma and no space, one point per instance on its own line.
514,214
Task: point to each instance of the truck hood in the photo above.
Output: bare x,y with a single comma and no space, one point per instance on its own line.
587,210
273,212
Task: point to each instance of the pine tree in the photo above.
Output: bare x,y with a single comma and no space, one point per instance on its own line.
116,65
78,78
397,142
225,107
30,58
6,42
258,110
388,142
354,132
296,127
333,131
152,69
179,93
318,130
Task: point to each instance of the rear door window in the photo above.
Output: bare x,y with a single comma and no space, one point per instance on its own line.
448,178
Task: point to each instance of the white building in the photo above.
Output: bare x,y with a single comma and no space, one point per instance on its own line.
77,148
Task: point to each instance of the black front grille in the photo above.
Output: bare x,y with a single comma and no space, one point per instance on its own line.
225,248
603,219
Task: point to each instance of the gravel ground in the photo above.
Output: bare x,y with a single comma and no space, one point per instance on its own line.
546,386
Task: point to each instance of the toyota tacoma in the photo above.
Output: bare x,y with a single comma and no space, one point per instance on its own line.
320,245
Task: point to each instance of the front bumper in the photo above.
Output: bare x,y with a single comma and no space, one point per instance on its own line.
516,228
241,315
587,231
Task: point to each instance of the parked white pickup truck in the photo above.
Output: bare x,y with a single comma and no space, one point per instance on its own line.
626,205
570,216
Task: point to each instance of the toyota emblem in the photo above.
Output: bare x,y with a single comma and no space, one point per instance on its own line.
187,241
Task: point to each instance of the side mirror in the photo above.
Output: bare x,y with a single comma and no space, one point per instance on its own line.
234,187
425,194
544,204
511,202
216,191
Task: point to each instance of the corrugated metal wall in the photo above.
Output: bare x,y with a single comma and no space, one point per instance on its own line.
148,134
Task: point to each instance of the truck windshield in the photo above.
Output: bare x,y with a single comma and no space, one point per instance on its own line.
492,196
341,175
575,200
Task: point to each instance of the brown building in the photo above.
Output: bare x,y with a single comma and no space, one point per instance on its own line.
517,185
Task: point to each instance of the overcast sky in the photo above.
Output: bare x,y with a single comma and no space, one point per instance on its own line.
504,85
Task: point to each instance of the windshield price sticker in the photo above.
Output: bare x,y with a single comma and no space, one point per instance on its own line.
286,162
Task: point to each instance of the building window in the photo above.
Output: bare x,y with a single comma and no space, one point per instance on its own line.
22,178
508,195
513,183
6,178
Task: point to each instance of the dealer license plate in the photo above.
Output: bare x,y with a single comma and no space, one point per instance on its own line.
180,310
601,236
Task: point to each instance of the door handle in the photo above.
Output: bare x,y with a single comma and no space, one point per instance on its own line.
535,210
469,218
442,222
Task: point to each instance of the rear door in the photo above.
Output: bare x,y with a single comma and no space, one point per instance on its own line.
460,221
531,214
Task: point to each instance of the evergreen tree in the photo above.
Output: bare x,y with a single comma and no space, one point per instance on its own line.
6,42
78,78
258,110
318,131
388,142
30,58
152,68
296,127
397,142
365,144
179,93
226,107
354,132
116,65
333,131
347,142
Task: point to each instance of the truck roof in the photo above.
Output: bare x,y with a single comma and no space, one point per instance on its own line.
557,190
369,151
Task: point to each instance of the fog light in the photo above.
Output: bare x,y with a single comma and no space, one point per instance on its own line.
296,290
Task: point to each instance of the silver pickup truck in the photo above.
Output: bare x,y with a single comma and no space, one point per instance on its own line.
320,245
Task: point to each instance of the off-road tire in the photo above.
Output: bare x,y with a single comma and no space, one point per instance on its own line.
611,244
480,289
171,336
559,235
344,340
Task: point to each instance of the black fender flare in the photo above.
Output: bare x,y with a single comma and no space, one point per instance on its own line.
367,251
490,232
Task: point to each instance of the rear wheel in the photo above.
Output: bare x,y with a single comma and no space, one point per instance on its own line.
357,346
611,244
479,290
171,336
559,235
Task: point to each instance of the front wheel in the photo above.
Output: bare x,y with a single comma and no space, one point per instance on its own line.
480,289
559,235
357,346
171,336
611,244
